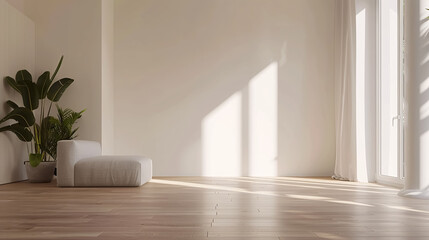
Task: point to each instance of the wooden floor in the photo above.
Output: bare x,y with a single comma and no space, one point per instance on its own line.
213,208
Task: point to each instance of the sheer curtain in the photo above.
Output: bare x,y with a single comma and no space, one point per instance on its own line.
345,90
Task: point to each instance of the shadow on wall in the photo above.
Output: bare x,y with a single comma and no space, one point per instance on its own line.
423,79
13,151
226,88
17,52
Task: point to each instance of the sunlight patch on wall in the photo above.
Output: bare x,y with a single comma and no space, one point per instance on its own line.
424,86
424,151
221,139
263,104
424,110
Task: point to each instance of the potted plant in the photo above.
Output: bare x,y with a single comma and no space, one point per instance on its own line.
34,125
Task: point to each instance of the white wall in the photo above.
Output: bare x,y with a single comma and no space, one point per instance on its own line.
17,52
226,87
107,58
204,88
72,28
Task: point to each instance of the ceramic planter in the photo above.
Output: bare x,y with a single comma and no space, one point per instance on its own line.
43,173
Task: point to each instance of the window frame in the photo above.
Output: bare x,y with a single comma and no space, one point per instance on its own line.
383,179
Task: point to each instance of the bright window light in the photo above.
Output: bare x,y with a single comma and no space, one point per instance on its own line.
362,172
389,88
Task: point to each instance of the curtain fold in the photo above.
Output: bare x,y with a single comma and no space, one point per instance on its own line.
345,90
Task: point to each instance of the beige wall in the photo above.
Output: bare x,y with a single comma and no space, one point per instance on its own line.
220,87
107,58
17,51
202,87
72,28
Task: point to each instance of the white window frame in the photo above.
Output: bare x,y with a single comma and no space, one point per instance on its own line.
382,179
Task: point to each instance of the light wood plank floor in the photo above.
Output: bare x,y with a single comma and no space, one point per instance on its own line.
213,208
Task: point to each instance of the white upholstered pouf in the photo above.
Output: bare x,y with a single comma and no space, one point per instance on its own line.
118,171
80,164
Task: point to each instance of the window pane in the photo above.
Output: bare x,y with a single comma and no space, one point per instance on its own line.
389,94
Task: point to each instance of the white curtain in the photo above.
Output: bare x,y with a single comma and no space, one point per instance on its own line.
345,90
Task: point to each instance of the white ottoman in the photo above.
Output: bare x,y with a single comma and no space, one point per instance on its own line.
80,163
114,171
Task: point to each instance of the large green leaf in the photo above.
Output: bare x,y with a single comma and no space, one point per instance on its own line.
12,83
43,84
11,104
30,94
23,76
57,89
21,132
22,115
35,159
28,90
58,68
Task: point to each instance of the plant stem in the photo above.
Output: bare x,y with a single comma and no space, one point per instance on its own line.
32,144
35,139
28,150
49,111
42,111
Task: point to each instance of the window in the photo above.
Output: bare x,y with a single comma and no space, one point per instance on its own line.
390,92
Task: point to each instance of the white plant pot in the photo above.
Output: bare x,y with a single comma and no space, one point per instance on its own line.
43,173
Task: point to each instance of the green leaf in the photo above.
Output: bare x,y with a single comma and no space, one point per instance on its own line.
58,68
56,129
51,134
43,84
22,115
27,89
58,88
11,104
21,132
73,133
46,133
36,136
35,159
30,94
23,76
12,83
